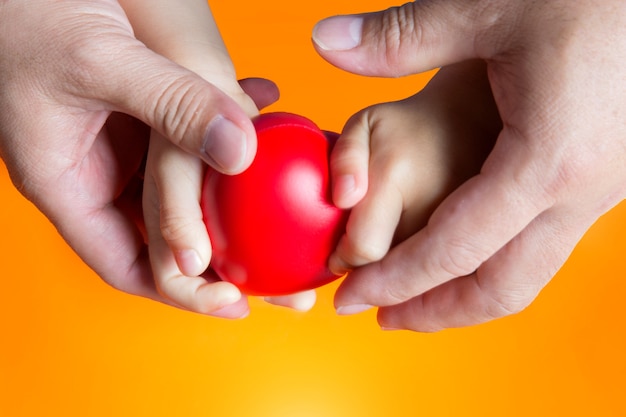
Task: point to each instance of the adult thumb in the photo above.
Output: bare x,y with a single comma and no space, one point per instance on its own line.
186,109
404,40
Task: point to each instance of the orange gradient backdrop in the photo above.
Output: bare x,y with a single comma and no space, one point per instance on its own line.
72,346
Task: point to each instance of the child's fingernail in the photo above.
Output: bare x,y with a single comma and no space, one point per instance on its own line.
232,311
344,189
224,145
352,309
389,329
339,33
189,262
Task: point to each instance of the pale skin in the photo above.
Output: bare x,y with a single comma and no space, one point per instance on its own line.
78,92
179,245
71,131
394,163
555,69
556,73
443,156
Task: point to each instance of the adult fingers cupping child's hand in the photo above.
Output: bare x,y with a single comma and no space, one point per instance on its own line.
395,162
180,248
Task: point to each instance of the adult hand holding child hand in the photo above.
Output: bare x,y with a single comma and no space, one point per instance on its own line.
556,72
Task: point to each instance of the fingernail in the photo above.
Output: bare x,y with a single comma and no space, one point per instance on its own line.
352,309
234,306
347,183
232,311
189,262
224,145
339,33
337,266
345,187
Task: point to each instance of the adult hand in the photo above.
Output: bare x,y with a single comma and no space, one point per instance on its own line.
557,75
70,72
179,246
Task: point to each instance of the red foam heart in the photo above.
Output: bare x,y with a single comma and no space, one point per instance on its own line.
273,227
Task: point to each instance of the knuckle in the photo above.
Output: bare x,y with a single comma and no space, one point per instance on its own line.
499,301
171,288
458,258
493,25
195,304
393,166
502,304
358,251
24,184
176,107
356,127
170,292
562,173
575,171
346,154
423,25
406,286
397,294
175,227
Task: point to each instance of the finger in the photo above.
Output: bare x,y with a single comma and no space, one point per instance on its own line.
420,171
204,294
177,177
376,207
176,217
504,285
96,209
369,231
190,112
471,225
179,246
263,92
107,240
412,38
200,294
349,162
303,301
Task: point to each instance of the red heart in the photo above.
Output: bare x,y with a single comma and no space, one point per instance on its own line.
273,227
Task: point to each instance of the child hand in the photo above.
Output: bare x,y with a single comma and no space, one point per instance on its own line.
395,162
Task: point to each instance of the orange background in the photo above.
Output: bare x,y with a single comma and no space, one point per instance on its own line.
72,346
